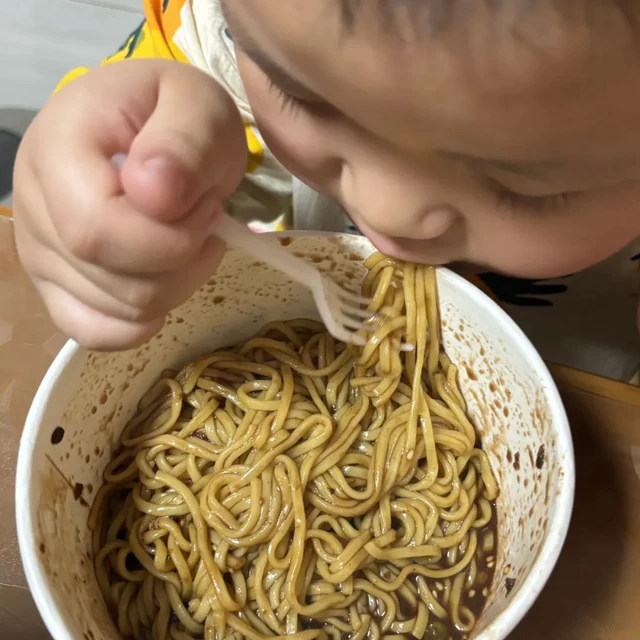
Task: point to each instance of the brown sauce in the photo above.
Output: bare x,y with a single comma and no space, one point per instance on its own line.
475,598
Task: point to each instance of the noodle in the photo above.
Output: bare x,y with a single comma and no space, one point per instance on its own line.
299,487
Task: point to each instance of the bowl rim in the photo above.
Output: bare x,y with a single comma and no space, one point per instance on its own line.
25,479
499,628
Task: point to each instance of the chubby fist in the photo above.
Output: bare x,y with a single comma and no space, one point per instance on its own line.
113,250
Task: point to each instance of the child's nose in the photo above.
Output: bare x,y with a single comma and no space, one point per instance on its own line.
436,222
399,201
396,214
398,222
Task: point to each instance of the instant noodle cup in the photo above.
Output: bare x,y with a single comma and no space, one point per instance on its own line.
86,399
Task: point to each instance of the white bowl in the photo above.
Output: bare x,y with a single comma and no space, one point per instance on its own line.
510,394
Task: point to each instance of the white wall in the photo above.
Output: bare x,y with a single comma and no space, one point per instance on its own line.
40,40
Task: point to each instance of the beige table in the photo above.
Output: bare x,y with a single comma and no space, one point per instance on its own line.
594,593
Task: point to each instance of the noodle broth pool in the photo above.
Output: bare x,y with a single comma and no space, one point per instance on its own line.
296,486
474,599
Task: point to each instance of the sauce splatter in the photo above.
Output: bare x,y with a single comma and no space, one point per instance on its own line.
540,457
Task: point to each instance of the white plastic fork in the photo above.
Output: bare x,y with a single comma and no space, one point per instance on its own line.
343,313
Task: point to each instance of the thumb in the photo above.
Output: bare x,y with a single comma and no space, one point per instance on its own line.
192,144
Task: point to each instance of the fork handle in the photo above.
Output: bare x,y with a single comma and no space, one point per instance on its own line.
238,235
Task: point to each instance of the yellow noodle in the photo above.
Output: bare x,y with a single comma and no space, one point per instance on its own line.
297,487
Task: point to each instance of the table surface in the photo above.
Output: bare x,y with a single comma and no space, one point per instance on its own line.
594,592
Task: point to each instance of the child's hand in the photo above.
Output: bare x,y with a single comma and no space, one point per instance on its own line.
112,252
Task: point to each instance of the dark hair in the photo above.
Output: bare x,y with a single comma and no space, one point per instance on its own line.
434,16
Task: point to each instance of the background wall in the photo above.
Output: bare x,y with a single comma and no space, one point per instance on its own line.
40,41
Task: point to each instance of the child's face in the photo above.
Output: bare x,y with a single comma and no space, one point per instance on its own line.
485,143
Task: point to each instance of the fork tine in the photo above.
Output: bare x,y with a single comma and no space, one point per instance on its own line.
358,325
358,312
336,328
354,298
354,338
343,314
369,329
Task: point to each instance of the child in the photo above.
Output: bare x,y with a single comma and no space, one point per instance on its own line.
499,134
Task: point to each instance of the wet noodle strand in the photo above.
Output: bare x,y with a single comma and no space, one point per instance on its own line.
299,487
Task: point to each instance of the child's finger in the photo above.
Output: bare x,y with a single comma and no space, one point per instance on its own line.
116,312
133,298
84,214
115,236
158,296
91,328
193,142
185,155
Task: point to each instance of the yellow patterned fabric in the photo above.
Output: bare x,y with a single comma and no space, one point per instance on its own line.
152,39
171,30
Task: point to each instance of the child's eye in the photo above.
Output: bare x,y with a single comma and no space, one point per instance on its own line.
287,101
514,200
